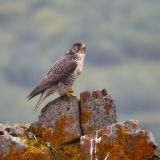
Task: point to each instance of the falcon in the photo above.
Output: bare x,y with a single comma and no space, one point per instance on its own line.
62,74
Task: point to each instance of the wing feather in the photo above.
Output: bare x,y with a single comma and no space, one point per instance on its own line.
59,72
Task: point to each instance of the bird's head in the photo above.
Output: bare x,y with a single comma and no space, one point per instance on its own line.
77,48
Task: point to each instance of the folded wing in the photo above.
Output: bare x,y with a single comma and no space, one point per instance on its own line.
59,72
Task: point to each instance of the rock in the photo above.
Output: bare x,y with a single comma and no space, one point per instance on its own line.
58,122
119,141
57,133
97,111
16,145
157,154
10,137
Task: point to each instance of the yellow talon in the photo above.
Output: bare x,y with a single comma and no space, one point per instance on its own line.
70,93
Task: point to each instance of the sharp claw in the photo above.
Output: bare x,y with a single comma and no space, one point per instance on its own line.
70,93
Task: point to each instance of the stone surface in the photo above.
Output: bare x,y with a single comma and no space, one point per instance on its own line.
119,141
16,144
97,110
57,133
58,122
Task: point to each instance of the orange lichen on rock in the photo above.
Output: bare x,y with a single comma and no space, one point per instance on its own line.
119,141
97,111
57,136
141,147
86,115
58,122
30,153
18,144
57,133
67,152
28,146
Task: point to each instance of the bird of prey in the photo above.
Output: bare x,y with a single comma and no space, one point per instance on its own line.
62,74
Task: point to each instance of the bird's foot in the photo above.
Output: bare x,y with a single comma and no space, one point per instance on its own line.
70,93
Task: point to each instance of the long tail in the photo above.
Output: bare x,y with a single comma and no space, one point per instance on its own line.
41,99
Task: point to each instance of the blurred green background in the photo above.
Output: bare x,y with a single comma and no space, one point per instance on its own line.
123,53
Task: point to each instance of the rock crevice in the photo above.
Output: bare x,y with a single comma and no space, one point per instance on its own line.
69,129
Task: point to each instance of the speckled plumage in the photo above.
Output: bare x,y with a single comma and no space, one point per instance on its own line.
62,74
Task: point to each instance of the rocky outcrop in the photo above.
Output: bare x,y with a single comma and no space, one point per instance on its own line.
17,143
69,129
119,141
59,121
97,111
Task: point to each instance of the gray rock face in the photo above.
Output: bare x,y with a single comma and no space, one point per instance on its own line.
61,118
57,133
97,111
61,107
67,119
4,143
120,141
9,136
